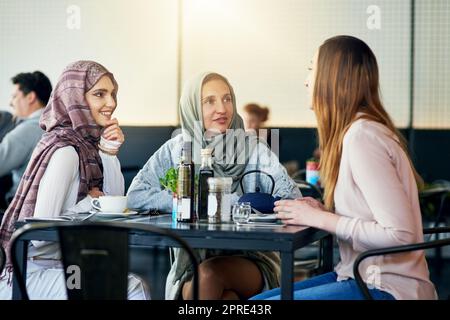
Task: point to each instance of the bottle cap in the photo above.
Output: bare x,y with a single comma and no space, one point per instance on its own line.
220,183
206,152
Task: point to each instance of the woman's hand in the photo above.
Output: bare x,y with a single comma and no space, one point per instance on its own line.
113,132
95,192
298,212
313,202
306,212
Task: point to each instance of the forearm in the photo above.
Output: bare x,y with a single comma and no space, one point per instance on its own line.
113,181
325,220
146,197
366,235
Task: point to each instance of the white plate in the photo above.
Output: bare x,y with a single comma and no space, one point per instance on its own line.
263,218
114,214
267,224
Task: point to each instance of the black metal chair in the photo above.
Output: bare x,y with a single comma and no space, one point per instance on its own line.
397,249
5,186
99,251
315,258
309,190
300,174
2,258
436,196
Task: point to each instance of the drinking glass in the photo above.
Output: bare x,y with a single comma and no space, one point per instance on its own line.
241,212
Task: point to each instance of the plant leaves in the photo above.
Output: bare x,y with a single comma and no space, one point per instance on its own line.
170,180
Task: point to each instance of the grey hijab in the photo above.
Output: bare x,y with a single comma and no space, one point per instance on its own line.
231,150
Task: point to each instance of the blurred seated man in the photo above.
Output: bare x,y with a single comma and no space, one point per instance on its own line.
6,123
30,95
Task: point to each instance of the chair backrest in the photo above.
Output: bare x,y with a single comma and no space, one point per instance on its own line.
308,190
434,198
2,258
98,252
395,250
5,187
100,255
300,175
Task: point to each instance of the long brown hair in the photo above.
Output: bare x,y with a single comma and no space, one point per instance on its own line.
346,82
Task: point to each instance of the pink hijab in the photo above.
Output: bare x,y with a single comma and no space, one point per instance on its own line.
67,121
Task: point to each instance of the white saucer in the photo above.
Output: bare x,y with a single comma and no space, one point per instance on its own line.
263,218
114,214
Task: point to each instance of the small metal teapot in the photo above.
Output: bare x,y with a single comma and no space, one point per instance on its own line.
263,202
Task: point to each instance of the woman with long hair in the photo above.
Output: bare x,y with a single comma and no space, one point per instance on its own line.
371,186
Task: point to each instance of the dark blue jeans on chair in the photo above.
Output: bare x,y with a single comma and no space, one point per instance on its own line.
325,287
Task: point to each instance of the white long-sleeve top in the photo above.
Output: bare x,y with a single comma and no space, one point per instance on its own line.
58,191
376,198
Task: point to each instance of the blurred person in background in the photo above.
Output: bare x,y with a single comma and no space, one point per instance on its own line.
254,118
30,94
6,123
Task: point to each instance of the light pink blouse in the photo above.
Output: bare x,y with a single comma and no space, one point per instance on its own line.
376,198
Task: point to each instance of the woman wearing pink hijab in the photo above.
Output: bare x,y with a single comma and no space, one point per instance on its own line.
74,162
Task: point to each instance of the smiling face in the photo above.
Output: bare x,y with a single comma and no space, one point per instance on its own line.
217,105
101,98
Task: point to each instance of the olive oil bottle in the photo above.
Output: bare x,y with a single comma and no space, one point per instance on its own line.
186,173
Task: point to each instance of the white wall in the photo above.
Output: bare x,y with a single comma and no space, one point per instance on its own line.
432,66
262,46
133,39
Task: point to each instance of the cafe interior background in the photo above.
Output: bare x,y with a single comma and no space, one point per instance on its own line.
263,47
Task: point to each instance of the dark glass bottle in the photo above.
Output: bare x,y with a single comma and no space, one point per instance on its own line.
186,185
206,171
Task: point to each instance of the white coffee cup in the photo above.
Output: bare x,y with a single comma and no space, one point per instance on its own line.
110,203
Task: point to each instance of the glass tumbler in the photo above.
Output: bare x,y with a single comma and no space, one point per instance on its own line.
241,212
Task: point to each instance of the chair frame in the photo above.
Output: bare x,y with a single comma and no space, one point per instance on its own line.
2,258
442,194
397,249
300,182
298,174
30,227
324,264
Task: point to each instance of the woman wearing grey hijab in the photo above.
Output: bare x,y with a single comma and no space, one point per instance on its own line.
208,112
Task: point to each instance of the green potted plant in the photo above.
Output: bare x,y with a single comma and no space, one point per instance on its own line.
169,182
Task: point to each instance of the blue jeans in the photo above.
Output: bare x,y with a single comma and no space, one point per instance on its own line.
325,287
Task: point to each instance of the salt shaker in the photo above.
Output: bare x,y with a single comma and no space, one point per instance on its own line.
219,199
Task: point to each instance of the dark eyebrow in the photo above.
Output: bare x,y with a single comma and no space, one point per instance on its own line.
207,97
101,89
